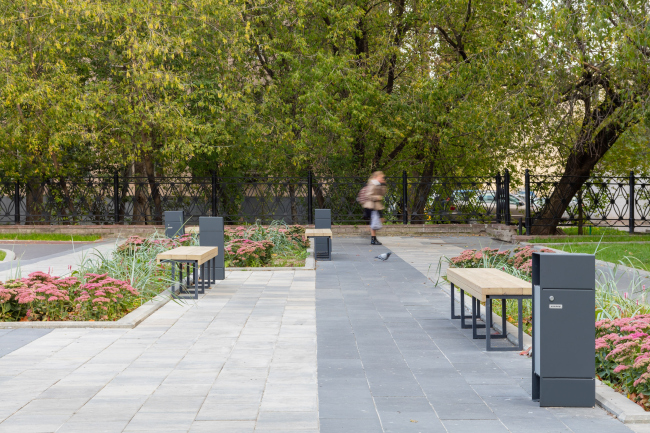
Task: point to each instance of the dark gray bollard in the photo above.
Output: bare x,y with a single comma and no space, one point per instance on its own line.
564,299
323,246
211,235
174,223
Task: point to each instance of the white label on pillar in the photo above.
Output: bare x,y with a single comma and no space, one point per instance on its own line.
555,306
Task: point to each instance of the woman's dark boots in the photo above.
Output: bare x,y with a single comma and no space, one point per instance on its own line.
374,241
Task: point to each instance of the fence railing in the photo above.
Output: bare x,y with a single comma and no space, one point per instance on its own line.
579,201
610,201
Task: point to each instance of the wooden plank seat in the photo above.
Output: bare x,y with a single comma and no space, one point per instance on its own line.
484,285
322,233
315,233
192,258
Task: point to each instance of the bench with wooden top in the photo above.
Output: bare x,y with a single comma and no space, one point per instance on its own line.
313,233
322,233
484,285
193,258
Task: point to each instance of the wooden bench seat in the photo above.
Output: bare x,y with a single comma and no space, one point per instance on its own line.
326,253
484,285
192,258
316,233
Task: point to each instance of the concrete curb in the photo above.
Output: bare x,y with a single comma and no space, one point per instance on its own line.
10,255
310,265
624,409
131,320
613,402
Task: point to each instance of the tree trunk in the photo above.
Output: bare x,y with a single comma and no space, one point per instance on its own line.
154,189
294,207
140,208
34,212
124,190
425,184
577,171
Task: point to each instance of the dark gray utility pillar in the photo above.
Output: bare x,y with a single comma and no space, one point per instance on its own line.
211,235
322,245
564,299
174,223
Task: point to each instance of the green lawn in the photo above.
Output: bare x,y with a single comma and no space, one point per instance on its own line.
637,255
48,237
593,234
592,238
2,255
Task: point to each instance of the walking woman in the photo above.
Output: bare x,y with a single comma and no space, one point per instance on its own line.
374,204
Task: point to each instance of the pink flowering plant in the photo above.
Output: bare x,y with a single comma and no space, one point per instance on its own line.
248,253
277,244
623,356
43,297
517,262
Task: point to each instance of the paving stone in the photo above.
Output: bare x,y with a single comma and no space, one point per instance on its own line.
222,427
411,355
350,425
473,426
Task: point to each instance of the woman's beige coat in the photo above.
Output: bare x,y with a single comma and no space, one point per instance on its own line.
376,193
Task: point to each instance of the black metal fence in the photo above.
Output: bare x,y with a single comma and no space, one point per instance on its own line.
610,201
594,201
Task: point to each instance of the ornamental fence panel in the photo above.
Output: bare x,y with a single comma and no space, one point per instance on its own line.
546,200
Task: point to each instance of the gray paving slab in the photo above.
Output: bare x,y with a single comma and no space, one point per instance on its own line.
241,358
13,339
391,360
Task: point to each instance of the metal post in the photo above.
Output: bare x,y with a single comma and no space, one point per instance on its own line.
507,196
498,199
214,194
17,203
116,198
632,188
405,213
310,205
527,192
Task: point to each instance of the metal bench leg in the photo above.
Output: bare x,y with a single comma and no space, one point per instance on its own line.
203,282
520,334
462,311
453,302
187,278
488,322
196,280
474,335
180,278
173,277
504,319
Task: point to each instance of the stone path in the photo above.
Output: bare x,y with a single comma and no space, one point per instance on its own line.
241,359
245,358
390,360
61,262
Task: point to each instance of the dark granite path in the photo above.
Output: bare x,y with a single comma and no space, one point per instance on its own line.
391,360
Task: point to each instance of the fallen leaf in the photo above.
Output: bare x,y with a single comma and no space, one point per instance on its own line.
413,420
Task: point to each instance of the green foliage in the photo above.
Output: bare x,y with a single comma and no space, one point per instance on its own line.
337,86
49,237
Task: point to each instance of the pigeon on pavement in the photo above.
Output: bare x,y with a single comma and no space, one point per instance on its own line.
383,257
